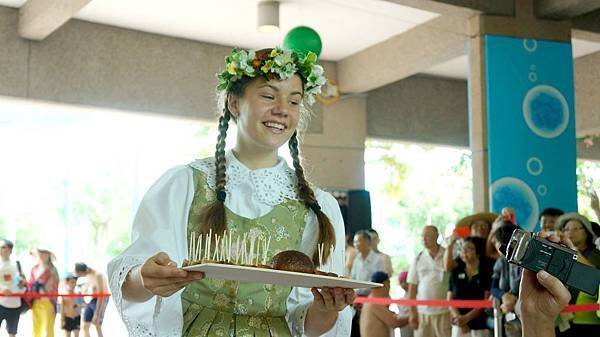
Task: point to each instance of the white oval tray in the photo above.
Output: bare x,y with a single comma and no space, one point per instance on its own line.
272,276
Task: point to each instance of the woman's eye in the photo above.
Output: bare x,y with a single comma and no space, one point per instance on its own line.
294,102
267,96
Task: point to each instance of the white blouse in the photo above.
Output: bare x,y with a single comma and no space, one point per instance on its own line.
161,225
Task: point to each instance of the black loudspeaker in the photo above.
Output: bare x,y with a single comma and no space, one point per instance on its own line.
358,211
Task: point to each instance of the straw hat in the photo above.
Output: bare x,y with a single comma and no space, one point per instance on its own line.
43,249
563,219
488,217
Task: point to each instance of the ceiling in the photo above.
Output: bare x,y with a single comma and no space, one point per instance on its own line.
345,26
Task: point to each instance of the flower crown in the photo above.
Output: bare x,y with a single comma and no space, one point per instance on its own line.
276,63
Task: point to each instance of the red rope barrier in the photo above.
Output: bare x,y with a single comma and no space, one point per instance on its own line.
462,303
582,307
483,304
32,295
430,303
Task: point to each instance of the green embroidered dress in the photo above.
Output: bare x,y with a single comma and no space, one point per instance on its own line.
231,308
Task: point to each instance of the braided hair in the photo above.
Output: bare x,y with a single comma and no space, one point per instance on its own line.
307,196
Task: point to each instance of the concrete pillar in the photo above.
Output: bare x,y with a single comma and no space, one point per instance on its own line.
504,143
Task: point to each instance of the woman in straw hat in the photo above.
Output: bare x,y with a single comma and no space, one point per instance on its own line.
43,280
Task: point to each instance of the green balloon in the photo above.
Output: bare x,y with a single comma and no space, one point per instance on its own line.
302,39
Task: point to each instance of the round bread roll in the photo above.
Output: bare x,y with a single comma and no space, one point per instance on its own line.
293,260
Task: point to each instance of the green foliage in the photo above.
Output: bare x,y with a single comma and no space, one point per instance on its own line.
207,136
26,238
588,180
119,242
415,185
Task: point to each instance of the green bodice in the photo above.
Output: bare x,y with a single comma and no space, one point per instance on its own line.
231,308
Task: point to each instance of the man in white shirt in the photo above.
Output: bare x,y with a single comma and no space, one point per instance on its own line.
428,281
387,260
366,262
9,284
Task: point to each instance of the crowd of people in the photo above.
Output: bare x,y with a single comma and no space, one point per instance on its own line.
469,266
37,293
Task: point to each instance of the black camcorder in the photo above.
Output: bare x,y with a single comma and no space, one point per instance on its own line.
534,253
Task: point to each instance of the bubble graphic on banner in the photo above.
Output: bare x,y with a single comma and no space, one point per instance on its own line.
542,190
530,45
546,111
515,193
535,166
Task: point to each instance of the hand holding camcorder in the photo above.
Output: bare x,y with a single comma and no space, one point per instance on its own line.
535,253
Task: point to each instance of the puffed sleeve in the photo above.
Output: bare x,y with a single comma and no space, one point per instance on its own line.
159,225
300,299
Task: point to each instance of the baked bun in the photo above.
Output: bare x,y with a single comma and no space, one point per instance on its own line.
293,260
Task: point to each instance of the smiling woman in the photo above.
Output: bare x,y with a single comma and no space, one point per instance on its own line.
250,192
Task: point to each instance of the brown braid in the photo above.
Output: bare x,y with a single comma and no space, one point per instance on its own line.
213,215
307,196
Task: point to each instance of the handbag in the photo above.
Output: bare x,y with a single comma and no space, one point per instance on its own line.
25,302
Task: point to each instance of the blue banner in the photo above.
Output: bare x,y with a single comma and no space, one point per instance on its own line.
531,126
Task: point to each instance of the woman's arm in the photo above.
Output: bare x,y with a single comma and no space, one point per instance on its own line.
449,262
350,261
326,310
595,204
387,265
453,310
159,225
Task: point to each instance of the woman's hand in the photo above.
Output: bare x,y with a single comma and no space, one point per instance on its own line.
333,299
461,320
542,297
323,313
160,276
595,202
508,302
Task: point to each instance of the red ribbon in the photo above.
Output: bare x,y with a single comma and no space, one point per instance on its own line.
483,304
430,303
32,295
582,307
462,303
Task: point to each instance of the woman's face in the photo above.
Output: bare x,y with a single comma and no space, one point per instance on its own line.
267,114
575,232
43,256
480,229
469,253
